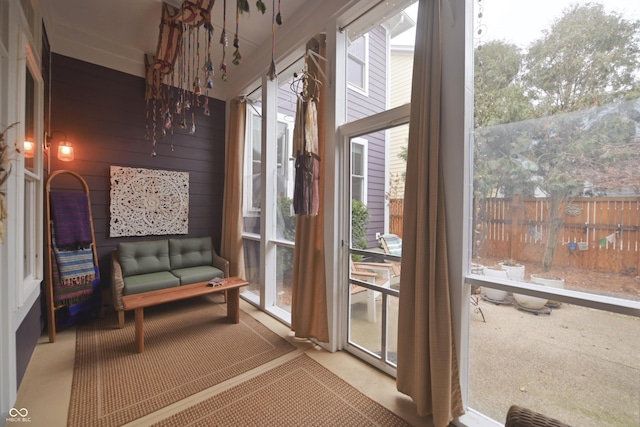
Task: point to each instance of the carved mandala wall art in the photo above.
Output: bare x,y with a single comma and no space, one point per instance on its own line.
148,202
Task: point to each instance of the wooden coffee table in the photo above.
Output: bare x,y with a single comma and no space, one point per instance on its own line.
231,286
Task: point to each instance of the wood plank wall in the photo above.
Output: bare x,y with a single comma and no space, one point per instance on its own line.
102,112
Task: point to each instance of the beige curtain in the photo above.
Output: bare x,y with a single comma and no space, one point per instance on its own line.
231,245
427,366
309,293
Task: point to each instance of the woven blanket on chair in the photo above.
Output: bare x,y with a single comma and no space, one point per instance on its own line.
70,214
75,267
73,291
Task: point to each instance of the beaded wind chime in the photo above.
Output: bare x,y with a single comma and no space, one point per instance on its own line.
175,75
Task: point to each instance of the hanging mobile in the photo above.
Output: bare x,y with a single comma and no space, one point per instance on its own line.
279,16
273,73
208,65
224,42
236,39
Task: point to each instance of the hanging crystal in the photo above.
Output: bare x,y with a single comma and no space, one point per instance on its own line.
279,16
273,73
224,42
236,40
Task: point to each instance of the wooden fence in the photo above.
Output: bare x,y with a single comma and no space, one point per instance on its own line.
597,233
396,212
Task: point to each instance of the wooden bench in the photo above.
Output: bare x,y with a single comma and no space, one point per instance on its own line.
231,287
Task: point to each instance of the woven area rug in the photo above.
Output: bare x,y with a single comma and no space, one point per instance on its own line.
300,392
189,347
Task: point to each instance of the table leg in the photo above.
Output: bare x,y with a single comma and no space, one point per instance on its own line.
139,314
233,305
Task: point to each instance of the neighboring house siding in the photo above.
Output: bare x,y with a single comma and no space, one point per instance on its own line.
359,106
400,87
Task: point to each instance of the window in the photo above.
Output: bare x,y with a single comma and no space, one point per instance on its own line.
31,211
359,169
358,63
253,165
269,234
555,211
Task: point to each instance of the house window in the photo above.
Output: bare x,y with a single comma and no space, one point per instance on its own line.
359,169
358,64
555,135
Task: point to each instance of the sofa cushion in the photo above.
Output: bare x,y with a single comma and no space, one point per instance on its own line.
201,273
190,252
149,282
144,257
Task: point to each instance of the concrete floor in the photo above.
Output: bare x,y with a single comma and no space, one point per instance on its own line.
578,365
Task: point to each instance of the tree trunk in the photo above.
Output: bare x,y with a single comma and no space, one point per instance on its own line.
553,228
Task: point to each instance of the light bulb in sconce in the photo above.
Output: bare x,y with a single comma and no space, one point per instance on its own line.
29,150
65,151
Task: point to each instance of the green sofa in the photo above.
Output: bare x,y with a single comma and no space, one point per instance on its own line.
150,265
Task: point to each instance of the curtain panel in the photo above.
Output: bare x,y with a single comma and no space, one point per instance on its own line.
309,290
427,362
231,241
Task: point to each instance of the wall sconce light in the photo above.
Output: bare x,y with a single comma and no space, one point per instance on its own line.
65,149
29,150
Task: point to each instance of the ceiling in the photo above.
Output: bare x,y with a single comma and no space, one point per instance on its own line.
117,33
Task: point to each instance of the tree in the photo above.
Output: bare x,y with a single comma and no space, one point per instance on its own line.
581,84
500,98
588,59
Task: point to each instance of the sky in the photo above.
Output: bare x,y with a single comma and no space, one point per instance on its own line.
521,21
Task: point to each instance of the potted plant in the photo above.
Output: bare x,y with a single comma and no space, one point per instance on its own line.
527,301
549,280
499,272
514,269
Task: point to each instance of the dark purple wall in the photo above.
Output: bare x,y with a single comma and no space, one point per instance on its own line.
103,114
27,336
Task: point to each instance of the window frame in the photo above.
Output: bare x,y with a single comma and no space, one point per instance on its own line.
361,142
456,38
283,162
248,207
364,89
30,213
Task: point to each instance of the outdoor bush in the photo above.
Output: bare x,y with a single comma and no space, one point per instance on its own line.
359,222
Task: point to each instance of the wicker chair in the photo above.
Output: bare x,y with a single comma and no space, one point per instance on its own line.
523,417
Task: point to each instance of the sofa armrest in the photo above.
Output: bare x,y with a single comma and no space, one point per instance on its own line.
117,281
218,262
